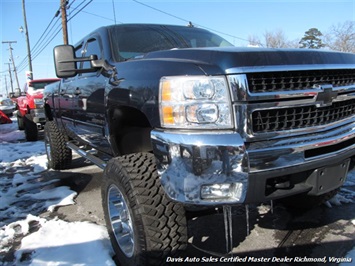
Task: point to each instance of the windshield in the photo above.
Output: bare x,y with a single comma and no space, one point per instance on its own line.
130,41
38,85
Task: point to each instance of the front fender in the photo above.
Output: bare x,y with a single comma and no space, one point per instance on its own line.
138,85
22,105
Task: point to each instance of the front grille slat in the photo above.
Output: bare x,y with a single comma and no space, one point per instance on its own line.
291,118
298,80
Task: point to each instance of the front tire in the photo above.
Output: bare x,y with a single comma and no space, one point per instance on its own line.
58,154
144,225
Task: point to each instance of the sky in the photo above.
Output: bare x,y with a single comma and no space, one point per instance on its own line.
25,194
235,20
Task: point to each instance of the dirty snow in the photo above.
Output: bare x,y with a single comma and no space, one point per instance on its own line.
25,193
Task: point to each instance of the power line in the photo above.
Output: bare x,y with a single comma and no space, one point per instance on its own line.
95,15
39,44
161,11
45,31
80,10
69,5
51,34
43,46
188,21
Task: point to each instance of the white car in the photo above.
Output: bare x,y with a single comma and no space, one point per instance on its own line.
7,106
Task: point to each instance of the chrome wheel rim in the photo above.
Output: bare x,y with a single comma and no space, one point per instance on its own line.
48,148
120,220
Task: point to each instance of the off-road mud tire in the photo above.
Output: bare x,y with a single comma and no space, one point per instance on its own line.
58,154
31,131
158,224
20,123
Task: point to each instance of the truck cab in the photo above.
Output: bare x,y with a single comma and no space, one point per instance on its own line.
30,115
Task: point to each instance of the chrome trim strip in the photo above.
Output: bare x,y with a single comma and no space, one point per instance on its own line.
255,69
277,154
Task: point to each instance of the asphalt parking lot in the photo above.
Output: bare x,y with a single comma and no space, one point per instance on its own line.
277,234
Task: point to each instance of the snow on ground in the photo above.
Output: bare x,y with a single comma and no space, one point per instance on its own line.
25,193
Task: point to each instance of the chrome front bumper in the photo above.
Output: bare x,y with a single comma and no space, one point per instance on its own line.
38,115
190,163
213,168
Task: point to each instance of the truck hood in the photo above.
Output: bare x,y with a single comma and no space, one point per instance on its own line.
231,60
37,94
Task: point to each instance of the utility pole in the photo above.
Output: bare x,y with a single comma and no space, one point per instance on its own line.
7,91
13,61
28,41
63,9
12,86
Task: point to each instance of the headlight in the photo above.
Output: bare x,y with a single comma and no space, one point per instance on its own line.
195,102
38,103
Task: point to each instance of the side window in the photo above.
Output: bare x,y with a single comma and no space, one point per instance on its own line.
78,53
92,48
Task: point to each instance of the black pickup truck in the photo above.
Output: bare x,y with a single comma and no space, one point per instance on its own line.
180,120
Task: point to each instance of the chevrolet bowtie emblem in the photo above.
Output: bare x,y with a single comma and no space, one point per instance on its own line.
326,96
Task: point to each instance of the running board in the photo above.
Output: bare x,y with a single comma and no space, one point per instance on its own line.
87,155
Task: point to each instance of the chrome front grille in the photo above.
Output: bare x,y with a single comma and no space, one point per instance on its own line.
298,80
279,119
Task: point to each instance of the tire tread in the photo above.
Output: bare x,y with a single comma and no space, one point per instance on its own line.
164,221
61,155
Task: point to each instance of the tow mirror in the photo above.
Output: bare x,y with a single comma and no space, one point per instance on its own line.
17,92
64,61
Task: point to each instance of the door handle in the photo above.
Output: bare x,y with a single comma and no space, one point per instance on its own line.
77,91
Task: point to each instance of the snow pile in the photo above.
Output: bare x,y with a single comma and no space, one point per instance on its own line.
25,193
59,242
23,188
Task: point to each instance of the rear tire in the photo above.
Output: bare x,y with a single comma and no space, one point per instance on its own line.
144,225
31,130
20,122
58,154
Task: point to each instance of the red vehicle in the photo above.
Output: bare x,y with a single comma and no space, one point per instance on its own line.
30,114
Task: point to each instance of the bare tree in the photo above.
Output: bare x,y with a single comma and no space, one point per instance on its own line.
341,37
254,41
273,39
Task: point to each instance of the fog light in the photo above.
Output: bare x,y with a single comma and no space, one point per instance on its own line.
222,191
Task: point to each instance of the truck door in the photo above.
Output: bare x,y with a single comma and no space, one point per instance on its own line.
88,104
66,99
